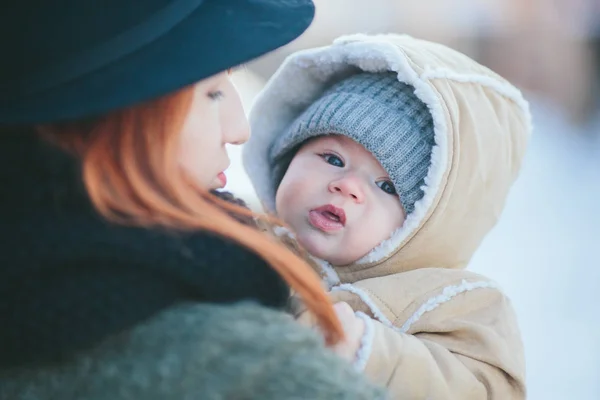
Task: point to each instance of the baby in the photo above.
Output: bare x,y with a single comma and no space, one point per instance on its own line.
390,159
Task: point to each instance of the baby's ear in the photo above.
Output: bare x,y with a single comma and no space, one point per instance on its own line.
353,300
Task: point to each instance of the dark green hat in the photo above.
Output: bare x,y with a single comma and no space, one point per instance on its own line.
71,59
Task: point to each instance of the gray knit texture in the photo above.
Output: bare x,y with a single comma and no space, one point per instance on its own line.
377,111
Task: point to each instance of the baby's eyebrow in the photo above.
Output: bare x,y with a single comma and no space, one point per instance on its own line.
333,137
325,141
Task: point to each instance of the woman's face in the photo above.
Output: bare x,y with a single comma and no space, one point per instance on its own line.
216,118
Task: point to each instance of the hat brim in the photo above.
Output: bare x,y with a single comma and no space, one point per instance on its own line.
217,36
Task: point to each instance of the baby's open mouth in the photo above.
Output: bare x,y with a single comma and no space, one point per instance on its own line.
327,218
331,216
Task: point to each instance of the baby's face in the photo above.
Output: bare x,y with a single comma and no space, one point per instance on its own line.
338,200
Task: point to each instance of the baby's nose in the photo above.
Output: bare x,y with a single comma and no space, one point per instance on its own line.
349,187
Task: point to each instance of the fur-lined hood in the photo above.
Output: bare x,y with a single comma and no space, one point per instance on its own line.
482,127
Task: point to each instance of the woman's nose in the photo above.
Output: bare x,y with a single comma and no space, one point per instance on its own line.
236,129
239,134
348,186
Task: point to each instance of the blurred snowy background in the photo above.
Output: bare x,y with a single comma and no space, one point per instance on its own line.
545,251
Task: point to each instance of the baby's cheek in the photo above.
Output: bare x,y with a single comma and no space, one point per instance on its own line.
285,204
282,198
372,232
314,243
294,192
357,245
290,211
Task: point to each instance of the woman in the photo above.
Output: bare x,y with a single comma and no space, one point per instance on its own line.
122,276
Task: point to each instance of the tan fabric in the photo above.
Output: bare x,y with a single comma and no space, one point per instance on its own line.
460,345
435,330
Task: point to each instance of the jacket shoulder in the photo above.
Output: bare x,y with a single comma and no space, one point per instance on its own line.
401,299
241,351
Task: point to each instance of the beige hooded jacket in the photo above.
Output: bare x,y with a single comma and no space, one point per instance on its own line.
433,330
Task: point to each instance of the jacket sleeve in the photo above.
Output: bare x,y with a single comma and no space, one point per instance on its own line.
466,348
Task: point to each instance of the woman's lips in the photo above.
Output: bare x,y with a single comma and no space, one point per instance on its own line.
327,218
222,178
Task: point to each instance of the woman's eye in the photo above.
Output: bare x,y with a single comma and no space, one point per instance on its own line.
216,95
387,186
333,160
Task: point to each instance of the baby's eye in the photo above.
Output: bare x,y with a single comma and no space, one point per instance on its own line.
333,160
387,186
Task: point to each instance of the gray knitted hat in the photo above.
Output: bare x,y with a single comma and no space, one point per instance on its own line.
377,111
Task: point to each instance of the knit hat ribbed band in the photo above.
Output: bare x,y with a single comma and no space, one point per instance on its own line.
378,112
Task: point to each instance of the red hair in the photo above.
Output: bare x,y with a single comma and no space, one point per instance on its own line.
130,170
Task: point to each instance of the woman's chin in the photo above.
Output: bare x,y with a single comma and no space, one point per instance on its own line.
215,186
216,183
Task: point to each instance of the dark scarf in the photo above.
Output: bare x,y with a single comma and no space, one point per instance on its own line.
69,279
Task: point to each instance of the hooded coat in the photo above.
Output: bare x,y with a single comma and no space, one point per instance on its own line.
434,330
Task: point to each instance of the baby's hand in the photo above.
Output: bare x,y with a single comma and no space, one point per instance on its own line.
354,329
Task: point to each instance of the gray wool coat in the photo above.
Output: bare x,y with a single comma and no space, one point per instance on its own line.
198,351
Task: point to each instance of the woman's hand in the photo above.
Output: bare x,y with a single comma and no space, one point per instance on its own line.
354,329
